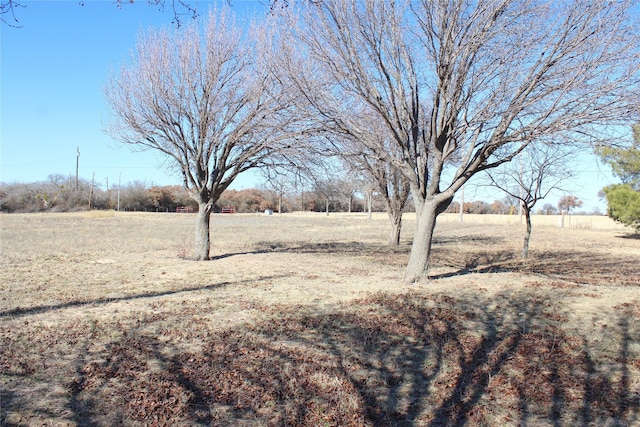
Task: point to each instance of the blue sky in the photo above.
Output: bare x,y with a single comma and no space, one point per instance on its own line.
53,70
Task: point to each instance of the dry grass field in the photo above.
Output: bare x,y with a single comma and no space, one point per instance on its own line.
303,320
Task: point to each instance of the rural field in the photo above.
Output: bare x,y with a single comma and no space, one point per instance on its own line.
304,320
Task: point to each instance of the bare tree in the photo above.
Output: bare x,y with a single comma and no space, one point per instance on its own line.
8,12
386,180
205,101
464,86
180,9
567,202
279,185
280,181
383,178
539,169
394,188
548,209
329,184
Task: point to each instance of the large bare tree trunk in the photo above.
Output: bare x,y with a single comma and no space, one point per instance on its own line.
527,235
427,212
396,227
418,266
203,240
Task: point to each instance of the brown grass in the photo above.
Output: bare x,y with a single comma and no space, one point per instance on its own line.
304,320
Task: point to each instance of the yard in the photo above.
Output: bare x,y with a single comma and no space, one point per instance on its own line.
304,319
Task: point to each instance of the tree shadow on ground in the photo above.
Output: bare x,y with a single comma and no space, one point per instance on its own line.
386,360
380,253
576,265
632,236
579,266
361,248
338,247
8,400
24,311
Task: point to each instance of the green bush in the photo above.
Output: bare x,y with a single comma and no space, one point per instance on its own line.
624,204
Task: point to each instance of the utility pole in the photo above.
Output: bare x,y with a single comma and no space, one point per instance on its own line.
77,165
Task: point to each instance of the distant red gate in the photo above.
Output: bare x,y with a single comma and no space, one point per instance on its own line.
185,209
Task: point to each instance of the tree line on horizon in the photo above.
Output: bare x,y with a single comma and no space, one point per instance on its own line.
58,194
